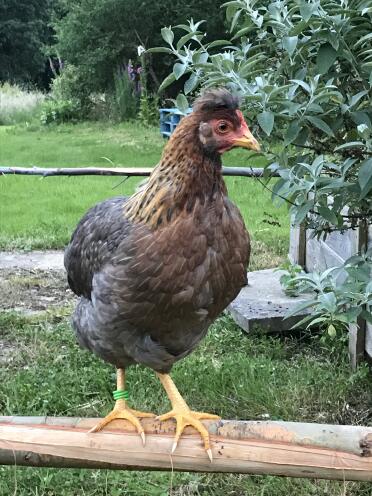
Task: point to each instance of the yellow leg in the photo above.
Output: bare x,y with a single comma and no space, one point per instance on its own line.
183,414
122,411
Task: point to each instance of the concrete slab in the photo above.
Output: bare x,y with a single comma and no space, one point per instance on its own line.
42,260
263,303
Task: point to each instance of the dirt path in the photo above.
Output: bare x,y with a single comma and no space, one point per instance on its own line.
33,282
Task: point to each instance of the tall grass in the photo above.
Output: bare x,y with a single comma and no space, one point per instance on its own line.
123,99
18,105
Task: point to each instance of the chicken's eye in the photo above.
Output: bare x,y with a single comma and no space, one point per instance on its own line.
222,127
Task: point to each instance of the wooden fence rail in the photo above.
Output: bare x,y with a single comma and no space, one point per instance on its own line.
118,171
277,448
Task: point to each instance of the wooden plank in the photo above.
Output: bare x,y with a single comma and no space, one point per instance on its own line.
277,448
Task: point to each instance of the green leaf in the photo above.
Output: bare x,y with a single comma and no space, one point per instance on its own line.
329,301
179,69
218,43
191,83
298,28
184,39
303,85
182,103
290,43
318,320
292,132
325,58
331,331
365,177
301,212
167,35
266,121
306,10
200,57
320,124
350,144
167,81
159,50
327,214
363,39
355,98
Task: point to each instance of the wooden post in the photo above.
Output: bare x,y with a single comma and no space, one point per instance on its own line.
358,332
357,343
276,448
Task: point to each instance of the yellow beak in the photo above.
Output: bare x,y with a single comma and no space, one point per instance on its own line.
248,141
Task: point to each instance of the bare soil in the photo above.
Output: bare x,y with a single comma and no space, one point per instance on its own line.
33,290
32,283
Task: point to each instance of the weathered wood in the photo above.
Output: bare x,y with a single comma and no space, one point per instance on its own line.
277,448
357,343
297,245
359,334
117,171
368,340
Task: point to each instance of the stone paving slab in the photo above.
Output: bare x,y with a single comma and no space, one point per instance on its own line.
42,260
263,303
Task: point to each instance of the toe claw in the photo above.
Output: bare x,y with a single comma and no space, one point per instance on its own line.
210,456
142,434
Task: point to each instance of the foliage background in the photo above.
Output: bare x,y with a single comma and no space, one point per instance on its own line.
304,72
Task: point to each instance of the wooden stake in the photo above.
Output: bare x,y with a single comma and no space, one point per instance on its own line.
276,448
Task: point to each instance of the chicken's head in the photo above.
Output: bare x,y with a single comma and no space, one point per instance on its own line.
222,125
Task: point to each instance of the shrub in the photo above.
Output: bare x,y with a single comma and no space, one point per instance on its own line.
70,87
148,113
60,111
123,100
304,72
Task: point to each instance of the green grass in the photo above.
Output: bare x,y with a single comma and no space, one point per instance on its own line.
42,212
244,377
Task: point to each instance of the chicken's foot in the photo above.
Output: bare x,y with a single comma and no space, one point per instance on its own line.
183,415
121,410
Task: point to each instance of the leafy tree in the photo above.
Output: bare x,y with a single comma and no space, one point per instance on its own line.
304,72
23,31
97,36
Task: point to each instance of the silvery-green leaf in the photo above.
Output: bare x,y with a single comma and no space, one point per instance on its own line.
290,43
266,121
167,35
182,103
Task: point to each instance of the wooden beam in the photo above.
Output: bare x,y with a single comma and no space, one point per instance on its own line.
117,171
276,448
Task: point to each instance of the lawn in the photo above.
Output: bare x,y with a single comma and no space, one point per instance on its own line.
258,377
42,212
300,377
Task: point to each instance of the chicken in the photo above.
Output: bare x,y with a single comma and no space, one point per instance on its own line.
154,270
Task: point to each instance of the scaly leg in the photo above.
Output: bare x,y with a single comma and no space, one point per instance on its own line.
121,410
183,415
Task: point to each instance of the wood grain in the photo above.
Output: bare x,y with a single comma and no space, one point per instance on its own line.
276,448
